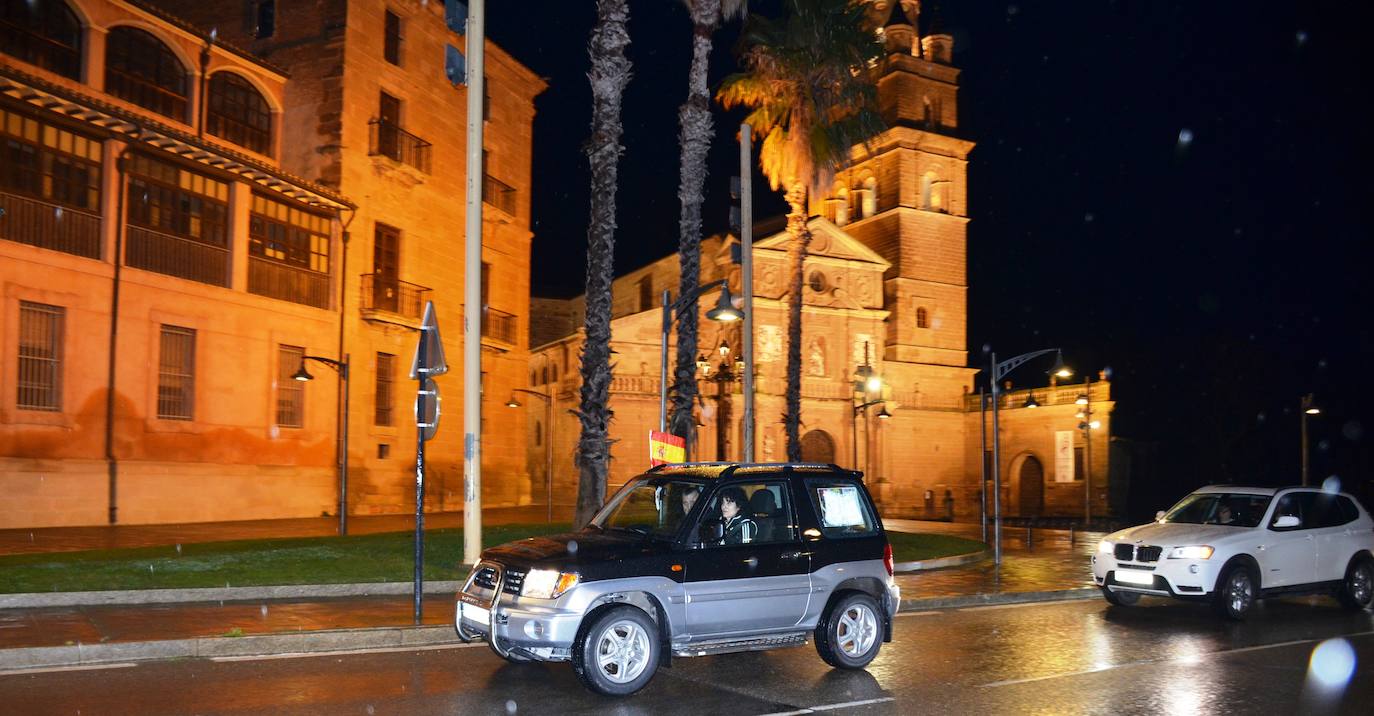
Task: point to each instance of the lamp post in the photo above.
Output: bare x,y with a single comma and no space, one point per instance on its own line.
995,373
868,385
724,311
1087,425
340,367
724,376
548,440
1309,407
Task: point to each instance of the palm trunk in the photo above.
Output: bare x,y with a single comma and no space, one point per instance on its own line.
695,138
801,238
610,73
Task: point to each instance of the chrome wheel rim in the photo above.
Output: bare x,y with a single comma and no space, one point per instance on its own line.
857,630
1362,584
622,651
1239,592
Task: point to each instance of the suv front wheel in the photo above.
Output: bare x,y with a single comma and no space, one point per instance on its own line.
851,633
1235,593
617,653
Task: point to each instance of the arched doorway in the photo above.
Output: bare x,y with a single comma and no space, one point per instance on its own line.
818,446
1031,497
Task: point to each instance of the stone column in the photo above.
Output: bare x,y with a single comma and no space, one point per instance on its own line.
240,200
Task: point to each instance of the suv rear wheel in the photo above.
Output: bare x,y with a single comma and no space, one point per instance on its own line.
617,653
851,633
1235,593
1357,591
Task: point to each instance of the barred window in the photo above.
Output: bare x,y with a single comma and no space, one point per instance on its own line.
237,112
165,197
47,162
284,233
40,356
44,33
176,374
386,367
141,69
290,392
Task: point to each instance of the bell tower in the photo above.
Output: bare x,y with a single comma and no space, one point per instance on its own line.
904,195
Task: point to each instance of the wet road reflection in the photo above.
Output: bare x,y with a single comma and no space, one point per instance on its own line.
1072,657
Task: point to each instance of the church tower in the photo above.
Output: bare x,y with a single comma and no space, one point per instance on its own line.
905,194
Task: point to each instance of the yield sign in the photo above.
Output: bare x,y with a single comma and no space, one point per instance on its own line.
429,354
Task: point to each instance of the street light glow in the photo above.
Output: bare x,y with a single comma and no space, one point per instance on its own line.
302,374
1031,402
873,383
724,349
1059,368
512,403
1314,410
1082,399
725,310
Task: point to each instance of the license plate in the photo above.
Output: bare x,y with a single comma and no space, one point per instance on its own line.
481,615
1132,577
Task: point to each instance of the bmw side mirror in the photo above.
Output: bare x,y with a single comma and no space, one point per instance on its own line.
711,531
1287,522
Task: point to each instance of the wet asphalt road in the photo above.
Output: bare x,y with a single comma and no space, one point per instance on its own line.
1067,657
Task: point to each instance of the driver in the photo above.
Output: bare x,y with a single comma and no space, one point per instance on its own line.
689,498
1224,516
739,529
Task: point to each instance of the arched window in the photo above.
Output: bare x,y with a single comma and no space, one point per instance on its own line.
42,32
922,317
869,205
238,113
141,69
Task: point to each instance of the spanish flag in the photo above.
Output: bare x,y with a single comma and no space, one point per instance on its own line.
666,448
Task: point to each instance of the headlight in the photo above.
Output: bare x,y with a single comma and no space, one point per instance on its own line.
1104,547
547,584
1195,551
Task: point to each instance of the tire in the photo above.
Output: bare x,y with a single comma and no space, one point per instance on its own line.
1236,592
1121,599
1357,590
850,634
618,652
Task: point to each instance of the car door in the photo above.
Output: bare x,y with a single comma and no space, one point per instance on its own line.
1288,555
1332,533
762,585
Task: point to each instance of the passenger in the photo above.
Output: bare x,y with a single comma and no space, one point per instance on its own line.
739,529
689,498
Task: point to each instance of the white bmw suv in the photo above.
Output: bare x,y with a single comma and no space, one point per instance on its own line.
1232,545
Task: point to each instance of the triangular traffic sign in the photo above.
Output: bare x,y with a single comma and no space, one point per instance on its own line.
429,354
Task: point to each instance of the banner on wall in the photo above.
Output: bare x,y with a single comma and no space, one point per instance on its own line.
1063,456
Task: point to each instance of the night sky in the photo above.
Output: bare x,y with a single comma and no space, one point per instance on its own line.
1177,190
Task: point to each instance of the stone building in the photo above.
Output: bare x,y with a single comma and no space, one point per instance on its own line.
184,220
886,288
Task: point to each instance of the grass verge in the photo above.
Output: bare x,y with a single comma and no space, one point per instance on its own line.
310,560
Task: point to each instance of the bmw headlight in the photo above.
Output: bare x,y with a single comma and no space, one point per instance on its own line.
547,583
1104,547
1192,551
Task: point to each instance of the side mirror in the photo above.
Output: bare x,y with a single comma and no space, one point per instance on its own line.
1159,515
1287,522
711,531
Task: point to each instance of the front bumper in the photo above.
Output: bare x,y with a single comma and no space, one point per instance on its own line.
1181,578
538,631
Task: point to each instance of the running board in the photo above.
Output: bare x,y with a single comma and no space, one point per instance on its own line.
709,648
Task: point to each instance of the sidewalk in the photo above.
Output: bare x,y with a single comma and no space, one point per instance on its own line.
1049,568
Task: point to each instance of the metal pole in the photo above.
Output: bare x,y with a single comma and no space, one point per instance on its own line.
420,511
343,451
472,294
996,468
746,230
983,462
663,365
1303,411
854,434
1088,453
548,449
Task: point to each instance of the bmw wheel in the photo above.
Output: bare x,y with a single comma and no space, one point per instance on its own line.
851,633
1357,591
1235,592
617,653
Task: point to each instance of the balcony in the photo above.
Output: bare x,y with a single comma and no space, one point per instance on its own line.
498,194
49,226
389,140
498,326
274,279
388,300
174,256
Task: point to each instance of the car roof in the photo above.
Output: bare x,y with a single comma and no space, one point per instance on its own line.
1255,490
725,470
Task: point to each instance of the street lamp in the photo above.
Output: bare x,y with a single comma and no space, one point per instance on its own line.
996,372
723,376
1087,425
548,440
1309,407
340,367
724,311
869,385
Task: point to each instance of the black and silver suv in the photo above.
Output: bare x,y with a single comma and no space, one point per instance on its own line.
693,560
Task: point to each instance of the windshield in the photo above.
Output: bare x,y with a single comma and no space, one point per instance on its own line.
654,507
1219,508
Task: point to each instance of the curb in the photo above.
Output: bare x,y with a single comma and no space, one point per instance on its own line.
308,642
937,563
36,600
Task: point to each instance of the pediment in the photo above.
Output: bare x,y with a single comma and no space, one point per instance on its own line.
829,241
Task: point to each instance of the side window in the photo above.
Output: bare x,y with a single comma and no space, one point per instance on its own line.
842,508
1299,505
1349,513
757,513
1327,510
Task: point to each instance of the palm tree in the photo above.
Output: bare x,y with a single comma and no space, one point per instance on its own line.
809,87
610,73
694,118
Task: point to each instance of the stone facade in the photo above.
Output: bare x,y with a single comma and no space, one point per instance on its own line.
886,286
389,196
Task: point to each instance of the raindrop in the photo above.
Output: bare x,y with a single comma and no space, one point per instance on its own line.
1088,218
1352,430
510,706
1301,37
1331,484
150,569
214,33
572,546
1185,138
1260,417
1323,445
371,710
1321,363
57,212
1012,9
1332,663
178,549
264,610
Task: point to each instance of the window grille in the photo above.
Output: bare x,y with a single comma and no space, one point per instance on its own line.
385,375
40,356
176,374
290,392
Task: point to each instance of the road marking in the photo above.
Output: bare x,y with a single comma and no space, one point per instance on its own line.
1182,660
918,614
345,652
990,607
53,669
832,707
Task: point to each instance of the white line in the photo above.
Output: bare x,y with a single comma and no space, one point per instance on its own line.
831,707
52,669
345,652
1188,660
918,614
990,607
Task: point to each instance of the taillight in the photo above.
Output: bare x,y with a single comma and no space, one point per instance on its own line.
887,559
